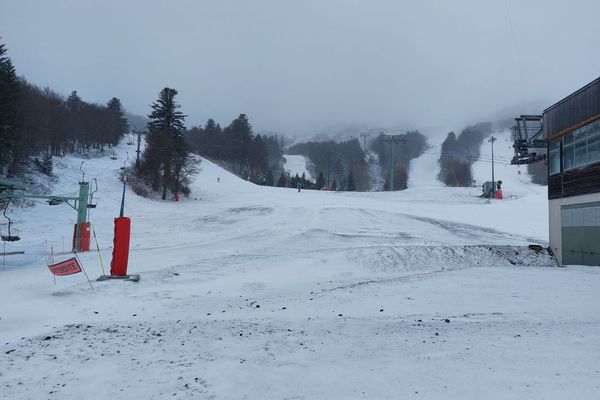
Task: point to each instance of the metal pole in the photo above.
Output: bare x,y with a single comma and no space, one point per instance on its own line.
123,197
492,140
328,168
391,139
392,165
138,151
82,202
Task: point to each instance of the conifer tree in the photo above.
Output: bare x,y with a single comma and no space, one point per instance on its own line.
9,89
350,185
119,126
320,183
47,164
238,139
282,181
270,179
166,161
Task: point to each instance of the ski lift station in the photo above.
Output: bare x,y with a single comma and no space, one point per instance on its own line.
570,131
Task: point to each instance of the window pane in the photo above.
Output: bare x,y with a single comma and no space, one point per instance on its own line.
568,156
594,148
580,153
554,145
581,133
568,138
554,162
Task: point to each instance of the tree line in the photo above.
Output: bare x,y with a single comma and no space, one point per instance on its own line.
337,165
413,144
251,156
36,121
459,152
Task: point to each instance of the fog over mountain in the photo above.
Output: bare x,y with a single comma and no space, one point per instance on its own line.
296,67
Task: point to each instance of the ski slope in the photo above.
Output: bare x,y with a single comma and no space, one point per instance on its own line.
296,164
424,170
266,293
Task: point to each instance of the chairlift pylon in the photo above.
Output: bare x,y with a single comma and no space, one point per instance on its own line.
9,237
82,173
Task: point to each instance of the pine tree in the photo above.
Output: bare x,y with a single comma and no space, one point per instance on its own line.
350,185
9,90
282,181
119,126
334,185
238,139
166,161
270,179
47,164
320,181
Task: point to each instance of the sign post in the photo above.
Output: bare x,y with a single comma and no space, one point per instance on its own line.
68,267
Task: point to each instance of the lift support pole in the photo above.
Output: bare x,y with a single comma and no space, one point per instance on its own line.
391,139
80,204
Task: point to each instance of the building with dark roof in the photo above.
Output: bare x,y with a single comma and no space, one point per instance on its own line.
572,129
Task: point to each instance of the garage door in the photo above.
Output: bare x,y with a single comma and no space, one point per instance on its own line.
581,234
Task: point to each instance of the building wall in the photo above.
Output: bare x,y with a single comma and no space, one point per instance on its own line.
579,108
556,226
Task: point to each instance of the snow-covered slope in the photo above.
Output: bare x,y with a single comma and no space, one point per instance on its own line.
515,179
295,164
424,170
261,292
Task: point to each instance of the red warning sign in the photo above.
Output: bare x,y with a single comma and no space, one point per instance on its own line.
68,267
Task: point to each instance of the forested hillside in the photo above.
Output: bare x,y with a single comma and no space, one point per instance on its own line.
36,121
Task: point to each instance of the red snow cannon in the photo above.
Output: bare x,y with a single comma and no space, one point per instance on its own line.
120,255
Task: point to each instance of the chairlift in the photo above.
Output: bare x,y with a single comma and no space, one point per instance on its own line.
113,156
91,204
10,237
125,162
54,202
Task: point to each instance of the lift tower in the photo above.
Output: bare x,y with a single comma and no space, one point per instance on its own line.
10,191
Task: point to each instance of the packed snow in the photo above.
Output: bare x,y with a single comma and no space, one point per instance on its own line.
296,164
267,293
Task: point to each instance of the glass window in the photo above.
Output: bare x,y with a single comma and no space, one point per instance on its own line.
569,156
594,148
554,156
581,147
580,153
568,139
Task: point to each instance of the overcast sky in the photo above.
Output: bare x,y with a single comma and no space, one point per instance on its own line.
299,66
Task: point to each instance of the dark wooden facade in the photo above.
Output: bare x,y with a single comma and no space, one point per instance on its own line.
585,180
574,111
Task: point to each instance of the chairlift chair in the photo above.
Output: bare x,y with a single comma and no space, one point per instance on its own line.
91,204
9,237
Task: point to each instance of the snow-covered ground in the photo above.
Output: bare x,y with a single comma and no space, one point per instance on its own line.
423,171
252,292
295,164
